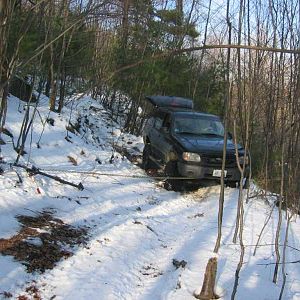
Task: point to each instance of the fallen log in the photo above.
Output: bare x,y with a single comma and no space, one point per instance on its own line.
35,171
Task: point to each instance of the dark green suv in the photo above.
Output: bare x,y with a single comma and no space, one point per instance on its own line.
189,144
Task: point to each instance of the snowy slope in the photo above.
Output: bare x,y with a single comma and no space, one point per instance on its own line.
136,227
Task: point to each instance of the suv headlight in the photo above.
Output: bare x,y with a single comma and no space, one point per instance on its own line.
189,156
241,160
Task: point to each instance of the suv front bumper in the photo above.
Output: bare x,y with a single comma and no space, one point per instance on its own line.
196,171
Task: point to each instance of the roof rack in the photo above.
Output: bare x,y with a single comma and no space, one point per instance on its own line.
170,101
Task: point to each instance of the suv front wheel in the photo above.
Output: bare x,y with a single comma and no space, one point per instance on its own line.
172,171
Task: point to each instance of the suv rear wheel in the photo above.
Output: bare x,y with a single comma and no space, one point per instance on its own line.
234,184
147,162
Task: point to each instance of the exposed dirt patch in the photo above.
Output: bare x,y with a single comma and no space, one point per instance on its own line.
42,241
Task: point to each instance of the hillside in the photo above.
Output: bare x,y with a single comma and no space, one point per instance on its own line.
120,237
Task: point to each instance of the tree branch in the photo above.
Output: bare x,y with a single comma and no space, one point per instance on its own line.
205,47
35,171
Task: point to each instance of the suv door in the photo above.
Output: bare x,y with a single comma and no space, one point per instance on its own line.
162,142
154,124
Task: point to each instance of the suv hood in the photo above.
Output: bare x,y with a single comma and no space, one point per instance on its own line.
205,145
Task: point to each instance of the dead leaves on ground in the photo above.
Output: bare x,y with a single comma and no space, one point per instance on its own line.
42,241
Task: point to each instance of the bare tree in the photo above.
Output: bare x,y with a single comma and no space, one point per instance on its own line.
226,109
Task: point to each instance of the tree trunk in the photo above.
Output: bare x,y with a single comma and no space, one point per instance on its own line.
3,61
48,84
61,91
226,110
125,24
208,286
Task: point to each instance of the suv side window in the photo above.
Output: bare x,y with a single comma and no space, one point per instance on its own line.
158,122
150,122
167,121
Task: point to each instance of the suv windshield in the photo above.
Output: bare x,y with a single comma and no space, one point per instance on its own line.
198,126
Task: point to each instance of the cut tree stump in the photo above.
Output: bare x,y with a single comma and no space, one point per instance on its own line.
208,286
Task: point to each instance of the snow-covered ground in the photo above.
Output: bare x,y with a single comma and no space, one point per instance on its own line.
137,228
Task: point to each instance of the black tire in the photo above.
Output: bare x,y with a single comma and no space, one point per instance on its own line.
172,171
147,163
233,184
236,184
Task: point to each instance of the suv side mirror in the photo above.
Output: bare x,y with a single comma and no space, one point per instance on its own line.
230,136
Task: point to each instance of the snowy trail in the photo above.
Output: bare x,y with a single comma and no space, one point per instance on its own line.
136,227
139,258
